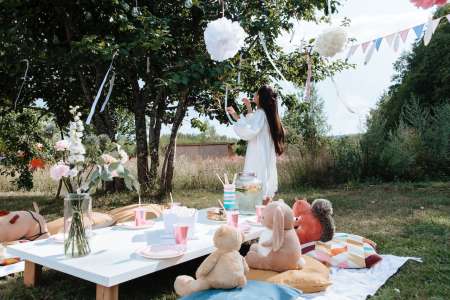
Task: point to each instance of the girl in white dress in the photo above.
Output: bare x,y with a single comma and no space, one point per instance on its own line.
264,134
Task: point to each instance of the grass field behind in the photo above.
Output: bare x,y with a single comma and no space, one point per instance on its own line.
404,219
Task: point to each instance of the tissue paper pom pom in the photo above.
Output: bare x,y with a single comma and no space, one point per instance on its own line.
428,3
331,41
224,38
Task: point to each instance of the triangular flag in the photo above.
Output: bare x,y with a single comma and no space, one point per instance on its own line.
352,51
404,34
431,28
419,30
390,38
365,45
378,43
396,42
369,54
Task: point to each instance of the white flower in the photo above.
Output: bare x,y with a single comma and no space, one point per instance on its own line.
331,41
123,156
224,38
108,159
62,145
59,171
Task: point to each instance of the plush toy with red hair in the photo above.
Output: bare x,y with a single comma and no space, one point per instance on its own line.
313,222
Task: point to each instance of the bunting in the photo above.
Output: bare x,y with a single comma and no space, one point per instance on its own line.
424,30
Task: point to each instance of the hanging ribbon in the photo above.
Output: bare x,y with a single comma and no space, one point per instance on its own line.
111,85
263,44
349,109
91,113
226,105
308,78
23,82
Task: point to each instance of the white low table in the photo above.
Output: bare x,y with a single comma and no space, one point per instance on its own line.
113,259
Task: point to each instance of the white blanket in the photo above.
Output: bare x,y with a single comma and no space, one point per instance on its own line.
357,284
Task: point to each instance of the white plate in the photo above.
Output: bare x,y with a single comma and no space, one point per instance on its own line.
253,223
59,237
161,251
131,226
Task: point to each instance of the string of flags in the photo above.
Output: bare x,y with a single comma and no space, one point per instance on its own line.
425,30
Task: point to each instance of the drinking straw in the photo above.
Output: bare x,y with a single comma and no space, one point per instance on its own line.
234,178
226,178
221,204
171,198
220,179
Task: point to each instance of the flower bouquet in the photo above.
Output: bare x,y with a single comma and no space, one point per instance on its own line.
82,167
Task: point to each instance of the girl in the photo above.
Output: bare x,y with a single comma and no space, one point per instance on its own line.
264,133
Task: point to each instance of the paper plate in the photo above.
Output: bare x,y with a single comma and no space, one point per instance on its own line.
131,226
245,228
253,223
161,251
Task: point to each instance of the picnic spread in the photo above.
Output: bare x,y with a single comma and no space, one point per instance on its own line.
279,263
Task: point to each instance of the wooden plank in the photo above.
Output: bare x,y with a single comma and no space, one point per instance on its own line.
107,293
31,274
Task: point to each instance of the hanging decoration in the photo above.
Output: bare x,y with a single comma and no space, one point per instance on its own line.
393,40
425,4
331,41
23,82
262,41
111,85
99,92
224,38
135,11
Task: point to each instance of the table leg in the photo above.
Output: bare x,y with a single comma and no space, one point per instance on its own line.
31,274
107,293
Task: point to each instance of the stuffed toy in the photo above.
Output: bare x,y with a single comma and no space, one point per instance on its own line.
225,268
313,222
280,249
22,225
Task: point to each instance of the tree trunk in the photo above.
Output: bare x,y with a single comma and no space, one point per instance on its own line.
141,135
169,158
154,138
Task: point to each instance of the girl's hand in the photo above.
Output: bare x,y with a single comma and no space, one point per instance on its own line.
232,112
247,104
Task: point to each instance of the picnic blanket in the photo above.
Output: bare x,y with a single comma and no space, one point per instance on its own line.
358,284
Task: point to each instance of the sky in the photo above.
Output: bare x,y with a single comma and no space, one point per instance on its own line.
359,88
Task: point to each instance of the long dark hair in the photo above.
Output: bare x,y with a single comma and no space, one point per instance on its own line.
268,102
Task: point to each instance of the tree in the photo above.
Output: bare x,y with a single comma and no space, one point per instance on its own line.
70,45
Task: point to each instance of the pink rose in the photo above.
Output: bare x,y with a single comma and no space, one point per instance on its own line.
62,145
58,171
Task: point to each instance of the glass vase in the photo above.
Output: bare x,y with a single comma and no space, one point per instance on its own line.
77,224
249,192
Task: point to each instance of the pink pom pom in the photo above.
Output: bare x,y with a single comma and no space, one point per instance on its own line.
425,4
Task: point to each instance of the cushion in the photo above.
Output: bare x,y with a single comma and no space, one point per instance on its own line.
126,213
253,290
101,220
347,251
312,278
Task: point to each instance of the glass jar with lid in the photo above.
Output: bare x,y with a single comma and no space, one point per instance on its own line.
249,192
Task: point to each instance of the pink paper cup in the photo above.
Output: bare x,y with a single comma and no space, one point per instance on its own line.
181,232
259,212
139,216
233,218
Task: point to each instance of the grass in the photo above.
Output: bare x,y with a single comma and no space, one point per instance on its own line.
404,219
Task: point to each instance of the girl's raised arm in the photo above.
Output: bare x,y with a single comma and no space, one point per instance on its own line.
248,128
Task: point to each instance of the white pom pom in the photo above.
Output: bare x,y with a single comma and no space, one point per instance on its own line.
331,41
224,38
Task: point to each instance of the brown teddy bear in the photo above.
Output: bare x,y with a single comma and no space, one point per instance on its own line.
225,268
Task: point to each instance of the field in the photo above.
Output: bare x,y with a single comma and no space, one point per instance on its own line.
404,219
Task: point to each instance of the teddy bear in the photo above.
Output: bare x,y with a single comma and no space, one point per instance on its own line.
278,248
22,225
313,222
225,268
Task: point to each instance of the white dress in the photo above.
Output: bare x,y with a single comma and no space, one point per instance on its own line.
260,156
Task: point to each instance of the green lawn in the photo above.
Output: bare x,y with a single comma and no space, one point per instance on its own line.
404,219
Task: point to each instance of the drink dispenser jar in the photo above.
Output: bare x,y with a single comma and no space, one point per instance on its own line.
249,192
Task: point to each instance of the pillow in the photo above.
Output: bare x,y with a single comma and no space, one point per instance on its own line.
126,213
312,278
253,290
346,251
100,220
